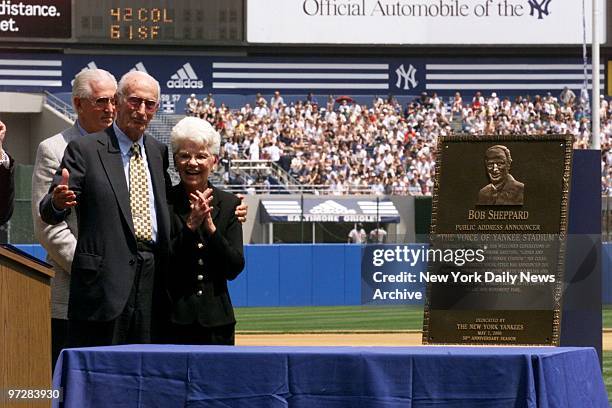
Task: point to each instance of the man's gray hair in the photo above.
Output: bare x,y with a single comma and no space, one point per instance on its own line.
196,130
81,87
137,76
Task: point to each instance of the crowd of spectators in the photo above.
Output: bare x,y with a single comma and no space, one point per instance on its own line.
387,147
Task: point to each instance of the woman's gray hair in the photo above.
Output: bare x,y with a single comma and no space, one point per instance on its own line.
81,86
197,130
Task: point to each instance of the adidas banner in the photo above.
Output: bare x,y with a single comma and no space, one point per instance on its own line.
184,75
335,209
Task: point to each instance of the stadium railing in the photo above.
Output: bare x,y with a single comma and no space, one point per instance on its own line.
59,105
317,189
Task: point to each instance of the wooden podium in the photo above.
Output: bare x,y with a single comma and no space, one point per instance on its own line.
25,324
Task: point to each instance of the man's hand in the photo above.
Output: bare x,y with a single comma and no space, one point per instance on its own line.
62,196
241,210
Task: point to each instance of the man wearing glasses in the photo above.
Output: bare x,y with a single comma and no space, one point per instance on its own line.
93,99
118,178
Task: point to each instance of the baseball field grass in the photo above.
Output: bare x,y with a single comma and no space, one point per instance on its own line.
348,319
328,318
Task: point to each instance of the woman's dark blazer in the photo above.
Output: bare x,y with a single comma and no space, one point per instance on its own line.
200,265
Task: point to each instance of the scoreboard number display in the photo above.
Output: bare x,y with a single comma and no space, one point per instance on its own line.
138,23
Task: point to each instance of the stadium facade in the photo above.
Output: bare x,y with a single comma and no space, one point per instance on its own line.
235,49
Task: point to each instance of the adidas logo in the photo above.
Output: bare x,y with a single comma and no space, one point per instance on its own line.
185,77
139,67
331,207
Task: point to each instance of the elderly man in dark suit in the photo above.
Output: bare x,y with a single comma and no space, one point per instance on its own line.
7,180
117,180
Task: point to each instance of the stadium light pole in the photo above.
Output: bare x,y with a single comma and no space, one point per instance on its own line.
595,125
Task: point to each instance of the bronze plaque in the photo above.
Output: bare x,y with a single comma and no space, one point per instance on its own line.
496,255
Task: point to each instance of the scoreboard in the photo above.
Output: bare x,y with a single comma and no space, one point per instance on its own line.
144,22
140,24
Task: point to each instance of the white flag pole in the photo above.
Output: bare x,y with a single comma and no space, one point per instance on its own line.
595,123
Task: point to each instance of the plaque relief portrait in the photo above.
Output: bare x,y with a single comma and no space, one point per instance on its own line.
503,189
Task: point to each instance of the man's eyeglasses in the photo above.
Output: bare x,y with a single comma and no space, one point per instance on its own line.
103,102
135,102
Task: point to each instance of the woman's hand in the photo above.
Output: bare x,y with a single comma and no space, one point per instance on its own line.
201,211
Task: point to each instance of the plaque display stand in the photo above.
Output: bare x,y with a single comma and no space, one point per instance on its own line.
504,199
581,320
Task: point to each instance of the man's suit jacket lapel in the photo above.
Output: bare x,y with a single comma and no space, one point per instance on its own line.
110,155
156,169
59,145
70,134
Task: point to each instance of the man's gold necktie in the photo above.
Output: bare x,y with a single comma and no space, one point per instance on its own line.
139,196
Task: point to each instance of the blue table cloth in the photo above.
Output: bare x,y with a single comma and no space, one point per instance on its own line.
380,377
